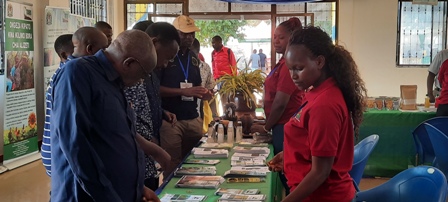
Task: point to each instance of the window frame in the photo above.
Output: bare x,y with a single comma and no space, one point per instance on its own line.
96,9
399,32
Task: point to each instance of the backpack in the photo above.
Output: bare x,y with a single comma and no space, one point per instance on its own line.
228,54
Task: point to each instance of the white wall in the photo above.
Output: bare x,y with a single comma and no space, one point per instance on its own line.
367,28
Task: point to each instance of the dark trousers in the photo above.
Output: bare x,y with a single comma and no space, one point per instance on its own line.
152,183
442,110
277,141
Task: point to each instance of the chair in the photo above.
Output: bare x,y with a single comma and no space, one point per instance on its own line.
439,142
422,183
423,146
362,153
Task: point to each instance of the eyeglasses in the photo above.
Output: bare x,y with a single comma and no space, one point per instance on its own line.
141,66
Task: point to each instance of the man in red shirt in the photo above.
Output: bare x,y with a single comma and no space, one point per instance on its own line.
223,59
223,62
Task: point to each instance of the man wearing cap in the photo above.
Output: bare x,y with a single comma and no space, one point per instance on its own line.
180,86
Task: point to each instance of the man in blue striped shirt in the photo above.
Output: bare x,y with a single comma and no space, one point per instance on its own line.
64,48
85,41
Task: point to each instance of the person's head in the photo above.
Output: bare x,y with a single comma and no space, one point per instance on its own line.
196,47
311,58
142,25
166,42
186,29
88,41
132,55
217,43
283,32
106,29
254,51
260,51
64,46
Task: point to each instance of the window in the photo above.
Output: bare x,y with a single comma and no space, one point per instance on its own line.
137,13
95,9
421,32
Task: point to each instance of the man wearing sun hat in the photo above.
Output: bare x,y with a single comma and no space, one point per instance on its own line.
180,86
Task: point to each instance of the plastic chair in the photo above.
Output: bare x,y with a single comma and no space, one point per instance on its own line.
424,150
362,153
439,142
422,183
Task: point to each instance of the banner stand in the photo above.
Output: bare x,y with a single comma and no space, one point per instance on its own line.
23,160
3,169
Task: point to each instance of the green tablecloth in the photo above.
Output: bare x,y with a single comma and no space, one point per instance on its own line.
395,150
272,188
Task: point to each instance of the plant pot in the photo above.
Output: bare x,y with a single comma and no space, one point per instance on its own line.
247,121
241,105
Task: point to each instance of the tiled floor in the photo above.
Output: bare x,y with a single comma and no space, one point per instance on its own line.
30,183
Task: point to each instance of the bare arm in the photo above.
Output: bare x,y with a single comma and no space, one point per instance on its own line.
429,86
320,170
278,107
154,150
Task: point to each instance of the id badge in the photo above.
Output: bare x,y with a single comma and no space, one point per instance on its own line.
184,85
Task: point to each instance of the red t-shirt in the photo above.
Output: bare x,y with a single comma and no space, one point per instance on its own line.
322,128
280,80
222,62
443,80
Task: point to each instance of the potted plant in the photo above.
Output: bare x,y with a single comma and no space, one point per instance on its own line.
240,88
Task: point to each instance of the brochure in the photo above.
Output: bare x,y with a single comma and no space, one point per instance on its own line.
240,197
222,191
197,181
246,179
209,170
182,197
252,150
227,146
210,153
201,161
250,162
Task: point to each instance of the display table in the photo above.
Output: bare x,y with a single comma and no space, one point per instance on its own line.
395,150
272,188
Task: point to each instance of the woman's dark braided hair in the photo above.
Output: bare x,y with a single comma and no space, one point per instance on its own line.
339,64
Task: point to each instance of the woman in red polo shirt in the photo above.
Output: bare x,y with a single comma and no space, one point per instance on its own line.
319,139
281,96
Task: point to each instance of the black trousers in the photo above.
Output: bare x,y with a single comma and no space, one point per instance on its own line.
442,110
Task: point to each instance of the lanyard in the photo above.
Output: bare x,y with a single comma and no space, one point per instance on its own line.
300,108
275,68
183,68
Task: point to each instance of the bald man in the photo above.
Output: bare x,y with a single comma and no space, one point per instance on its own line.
88,41
95,156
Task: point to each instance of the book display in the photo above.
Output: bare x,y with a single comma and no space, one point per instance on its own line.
224,172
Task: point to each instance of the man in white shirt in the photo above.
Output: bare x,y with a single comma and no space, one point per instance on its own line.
432,82
255,60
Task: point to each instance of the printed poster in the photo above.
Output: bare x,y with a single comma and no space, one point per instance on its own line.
56,24
19,129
